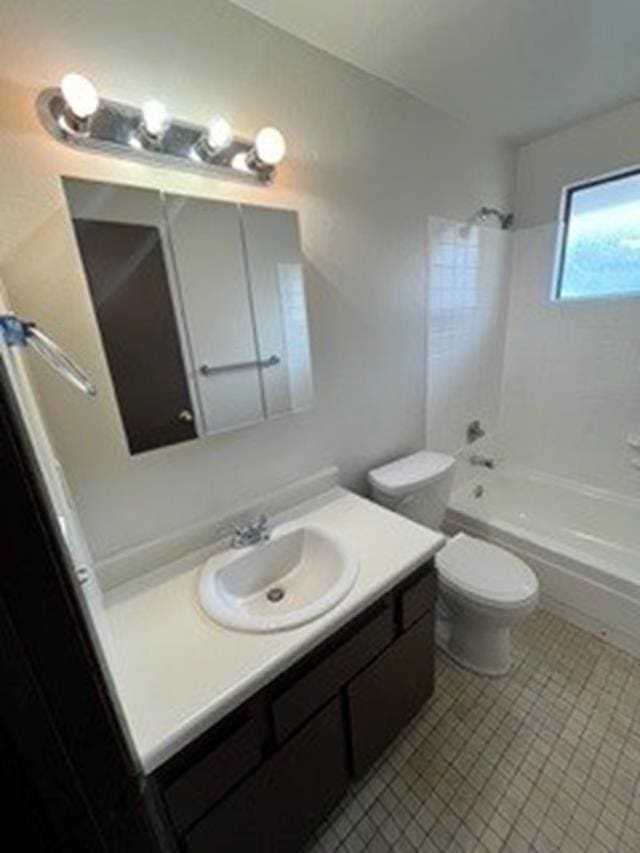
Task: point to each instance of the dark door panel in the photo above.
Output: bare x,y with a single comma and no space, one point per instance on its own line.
57,723
129,286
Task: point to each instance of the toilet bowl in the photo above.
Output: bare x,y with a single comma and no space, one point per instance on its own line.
483,589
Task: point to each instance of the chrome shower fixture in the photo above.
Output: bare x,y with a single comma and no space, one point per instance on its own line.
487,213
74,114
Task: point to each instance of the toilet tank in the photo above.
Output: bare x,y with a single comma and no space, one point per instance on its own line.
416,486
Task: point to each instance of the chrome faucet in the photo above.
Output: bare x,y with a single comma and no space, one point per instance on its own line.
484,461
251,534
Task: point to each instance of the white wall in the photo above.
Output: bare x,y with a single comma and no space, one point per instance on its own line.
367,165
599,145
572,370
466,326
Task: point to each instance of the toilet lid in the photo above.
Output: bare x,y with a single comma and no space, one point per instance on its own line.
485,572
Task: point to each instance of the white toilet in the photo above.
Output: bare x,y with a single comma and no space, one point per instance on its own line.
484,588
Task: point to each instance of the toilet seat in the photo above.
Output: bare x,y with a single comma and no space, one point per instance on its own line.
485,573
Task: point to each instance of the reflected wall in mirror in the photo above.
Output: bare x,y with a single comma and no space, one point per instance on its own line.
200,306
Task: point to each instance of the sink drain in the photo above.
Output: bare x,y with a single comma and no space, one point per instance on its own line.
275,594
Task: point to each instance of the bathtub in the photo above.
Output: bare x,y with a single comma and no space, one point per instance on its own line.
583,543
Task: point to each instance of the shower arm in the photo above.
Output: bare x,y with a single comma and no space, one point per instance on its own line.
505,219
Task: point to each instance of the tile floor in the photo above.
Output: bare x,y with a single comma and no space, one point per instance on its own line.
547,758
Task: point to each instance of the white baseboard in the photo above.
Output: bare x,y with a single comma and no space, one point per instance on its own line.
588,622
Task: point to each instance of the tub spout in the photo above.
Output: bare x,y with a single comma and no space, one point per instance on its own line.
484,461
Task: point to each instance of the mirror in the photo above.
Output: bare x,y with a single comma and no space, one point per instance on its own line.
200,306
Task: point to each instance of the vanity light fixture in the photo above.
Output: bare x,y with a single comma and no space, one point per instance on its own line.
74,114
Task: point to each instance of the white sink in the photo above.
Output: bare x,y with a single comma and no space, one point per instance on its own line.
301,572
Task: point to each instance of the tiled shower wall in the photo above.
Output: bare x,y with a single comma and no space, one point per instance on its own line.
572,369
562,393
572,376
466,319
571,390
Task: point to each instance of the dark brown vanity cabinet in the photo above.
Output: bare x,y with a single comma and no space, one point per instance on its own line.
265,776
276,808
385,696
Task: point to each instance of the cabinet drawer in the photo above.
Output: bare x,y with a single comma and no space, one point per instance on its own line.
315,687
418,599
196,790
383,698
278,807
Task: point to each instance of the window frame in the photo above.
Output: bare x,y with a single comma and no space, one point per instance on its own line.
566,197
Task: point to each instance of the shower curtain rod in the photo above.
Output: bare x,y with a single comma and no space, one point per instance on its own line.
21,333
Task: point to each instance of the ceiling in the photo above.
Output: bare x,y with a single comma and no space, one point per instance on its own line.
517,68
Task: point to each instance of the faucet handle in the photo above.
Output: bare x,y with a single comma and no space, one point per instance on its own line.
241,533
252,533
474,431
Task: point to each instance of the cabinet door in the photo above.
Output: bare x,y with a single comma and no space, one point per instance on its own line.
123,247
312,686
128,282
387,694
210,264
418,596
278,807
205,782
274,263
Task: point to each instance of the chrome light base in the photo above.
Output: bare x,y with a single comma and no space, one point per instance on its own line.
117,129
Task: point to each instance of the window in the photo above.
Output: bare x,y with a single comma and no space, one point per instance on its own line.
599,251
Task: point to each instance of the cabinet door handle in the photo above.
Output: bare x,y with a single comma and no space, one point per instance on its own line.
185,416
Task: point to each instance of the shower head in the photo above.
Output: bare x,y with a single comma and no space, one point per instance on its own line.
487,213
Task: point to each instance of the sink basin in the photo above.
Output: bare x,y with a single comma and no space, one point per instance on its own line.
301,572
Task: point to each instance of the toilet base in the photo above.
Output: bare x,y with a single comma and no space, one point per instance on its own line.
484,650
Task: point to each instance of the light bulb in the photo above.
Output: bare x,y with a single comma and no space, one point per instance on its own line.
155,118
270,146
239,162
219,134
80,95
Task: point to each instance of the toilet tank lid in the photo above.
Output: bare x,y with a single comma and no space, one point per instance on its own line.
409,473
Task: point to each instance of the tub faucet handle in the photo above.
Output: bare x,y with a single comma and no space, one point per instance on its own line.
474,431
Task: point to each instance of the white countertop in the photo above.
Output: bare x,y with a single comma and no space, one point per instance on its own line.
177,672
